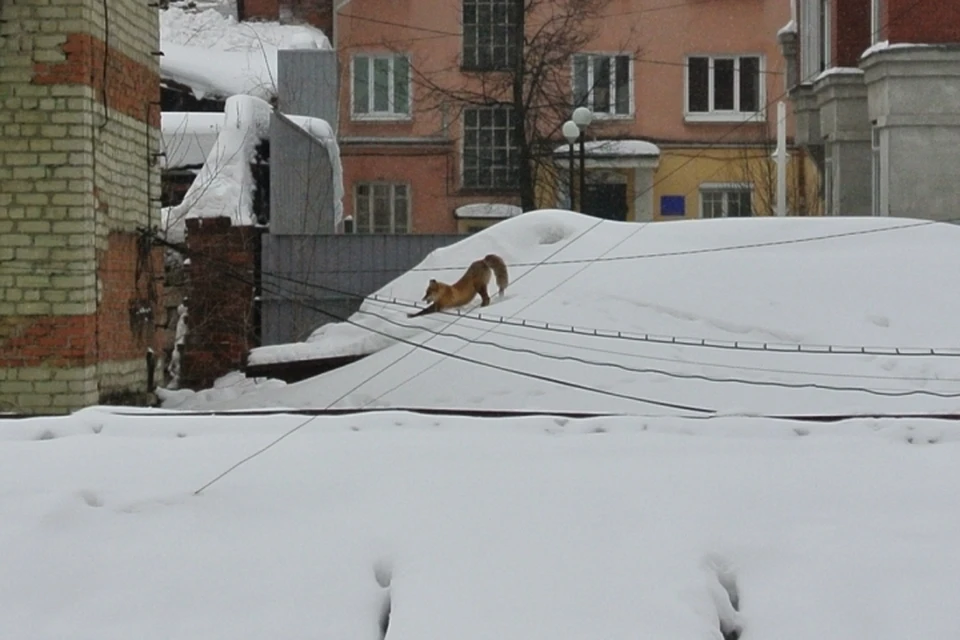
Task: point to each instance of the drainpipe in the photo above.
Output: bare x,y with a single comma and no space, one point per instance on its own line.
335,40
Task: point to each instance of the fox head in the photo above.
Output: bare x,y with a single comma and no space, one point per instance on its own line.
433,290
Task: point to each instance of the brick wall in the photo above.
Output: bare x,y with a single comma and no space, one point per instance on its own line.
78,125
220,299
851,31
318,13
930,22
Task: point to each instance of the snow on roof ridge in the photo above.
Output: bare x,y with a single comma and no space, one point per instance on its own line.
487,210
626,147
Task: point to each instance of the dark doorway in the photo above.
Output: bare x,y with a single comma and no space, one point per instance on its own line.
608,201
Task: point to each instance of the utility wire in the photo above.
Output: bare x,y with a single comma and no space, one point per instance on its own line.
685,341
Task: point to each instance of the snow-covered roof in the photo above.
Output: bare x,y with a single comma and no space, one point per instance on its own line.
730,282
224,185
615,148
208,50
487,210
790,27
885,45
188,137
838,71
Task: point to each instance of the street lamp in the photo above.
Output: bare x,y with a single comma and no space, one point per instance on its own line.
582,117
571,132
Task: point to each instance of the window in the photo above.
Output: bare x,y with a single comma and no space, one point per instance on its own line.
489,34
603,83
381,86
726,201
825,61
815,40
489,149
382,207
724,88
876,21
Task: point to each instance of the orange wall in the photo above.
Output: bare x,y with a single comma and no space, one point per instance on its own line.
660,33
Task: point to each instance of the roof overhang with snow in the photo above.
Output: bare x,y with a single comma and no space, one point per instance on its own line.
487,210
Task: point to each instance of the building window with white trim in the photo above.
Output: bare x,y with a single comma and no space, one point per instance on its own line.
489,148
604,83
815,39
381,86
489,34
381,207
724,88
726,200
876,21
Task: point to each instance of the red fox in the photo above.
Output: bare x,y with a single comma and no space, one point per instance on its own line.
443,296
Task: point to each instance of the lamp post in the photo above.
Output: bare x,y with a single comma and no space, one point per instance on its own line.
571,132
582,117
575,129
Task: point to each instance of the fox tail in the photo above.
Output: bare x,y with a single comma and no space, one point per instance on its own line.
499,268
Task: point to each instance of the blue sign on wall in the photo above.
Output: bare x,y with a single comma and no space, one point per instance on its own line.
673,205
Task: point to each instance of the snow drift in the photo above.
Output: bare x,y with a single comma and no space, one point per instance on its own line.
477,529
791,283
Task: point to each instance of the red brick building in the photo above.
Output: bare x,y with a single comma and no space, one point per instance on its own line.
874,86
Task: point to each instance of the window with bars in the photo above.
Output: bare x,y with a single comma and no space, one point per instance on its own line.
726,201
724,88
489,34
381,207
603,83
489,148
381,86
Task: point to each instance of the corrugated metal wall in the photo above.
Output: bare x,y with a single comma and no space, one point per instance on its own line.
302,274
301,181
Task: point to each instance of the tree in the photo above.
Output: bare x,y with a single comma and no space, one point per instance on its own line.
516,68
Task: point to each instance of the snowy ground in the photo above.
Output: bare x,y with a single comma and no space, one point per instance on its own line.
512,529
769,295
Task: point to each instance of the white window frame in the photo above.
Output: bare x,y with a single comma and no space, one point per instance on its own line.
724,188
371,113
815,40
591,56
876,21
505,29
826,53
736,115
392,186
511,148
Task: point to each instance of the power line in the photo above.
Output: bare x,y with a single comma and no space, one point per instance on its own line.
637,256
450,324
228,271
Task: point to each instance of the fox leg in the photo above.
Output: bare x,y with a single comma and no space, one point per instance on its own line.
484,298
431,309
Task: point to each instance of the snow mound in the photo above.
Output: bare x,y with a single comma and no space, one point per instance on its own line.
641,299
224,186
475,529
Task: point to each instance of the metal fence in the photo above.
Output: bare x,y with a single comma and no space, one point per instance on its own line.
309,280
